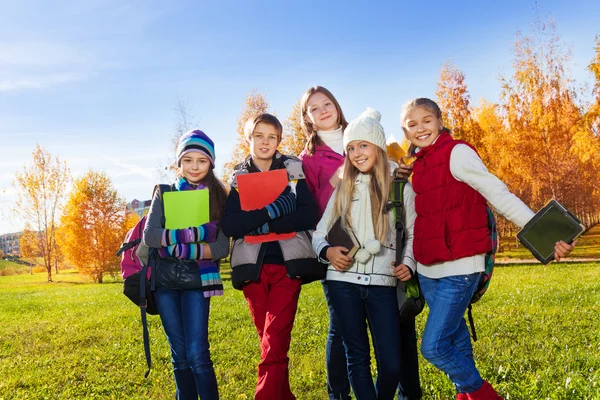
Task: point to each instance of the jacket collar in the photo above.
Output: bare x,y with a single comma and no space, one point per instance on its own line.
443,138
277,163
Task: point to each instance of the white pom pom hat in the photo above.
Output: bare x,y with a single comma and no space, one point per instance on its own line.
366,127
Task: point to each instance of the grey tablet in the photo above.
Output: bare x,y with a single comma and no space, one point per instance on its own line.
551,224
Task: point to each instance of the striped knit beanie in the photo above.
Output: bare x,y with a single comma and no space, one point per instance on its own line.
197,141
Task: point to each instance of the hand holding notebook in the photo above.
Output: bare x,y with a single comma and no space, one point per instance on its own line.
551,225
260,190
187,208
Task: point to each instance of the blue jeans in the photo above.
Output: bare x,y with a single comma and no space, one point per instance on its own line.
354,306
184,316
446,341
338,385
410,384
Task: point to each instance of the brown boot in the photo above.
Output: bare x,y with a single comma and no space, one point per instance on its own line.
485,392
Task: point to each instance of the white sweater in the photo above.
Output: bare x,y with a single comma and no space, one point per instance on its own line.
378,270
333,139
467,167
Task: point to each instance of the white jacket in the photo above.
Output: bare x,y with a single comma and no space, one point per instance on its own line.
378,270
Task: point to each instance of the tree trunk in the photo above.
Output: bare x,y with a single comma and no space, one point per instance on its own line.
49,268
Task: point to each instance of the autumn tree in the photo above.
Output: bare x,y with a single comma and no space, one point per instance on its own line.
542,116
30,248
2,254
593,113
294,140
254,104
95,222
587,148
454,101
41,188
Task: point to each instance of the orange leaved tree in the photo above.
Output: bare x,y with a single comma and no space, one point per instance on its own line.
94,224
255,104
295,140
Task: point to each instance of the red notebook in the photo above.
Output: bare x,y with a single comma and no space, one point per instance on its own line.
258,190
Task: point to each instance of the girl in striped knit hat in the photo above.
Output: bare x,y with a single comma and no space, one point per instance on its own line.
187,274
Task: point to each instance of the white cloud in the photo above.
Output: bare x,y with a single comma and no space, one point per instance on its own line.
13,83
134,169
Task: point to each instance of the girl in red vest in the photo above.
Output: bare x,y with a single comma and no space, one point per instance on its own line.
451,238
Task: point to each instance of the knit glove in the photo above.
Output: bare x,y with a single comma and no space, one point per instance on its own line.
189,251
283,205
206,233
261,230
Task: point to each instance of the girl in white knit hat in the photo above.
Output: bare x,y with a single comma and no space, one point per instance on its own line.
363,288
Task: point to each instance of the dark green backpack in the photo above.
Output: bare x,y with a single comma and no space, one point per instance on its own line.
410,298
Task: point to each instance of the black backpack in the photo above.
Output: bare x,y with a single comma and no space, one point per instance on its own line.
410,298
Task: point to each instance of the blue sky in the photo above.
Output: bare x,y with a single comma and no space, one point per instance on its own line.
95,82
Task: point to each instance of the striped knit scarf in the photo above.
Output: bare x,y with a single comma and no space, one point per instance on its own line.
212,284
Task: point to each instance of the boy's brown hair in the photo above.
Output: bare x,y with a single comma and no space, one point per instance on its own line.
264,118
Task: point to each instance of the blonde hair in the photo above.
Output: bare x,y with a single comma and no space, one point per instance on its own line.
379,190
306,123
264,118
419,102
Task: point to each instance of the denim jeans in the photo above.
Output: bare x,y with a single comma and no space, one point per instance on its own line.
354,306
338,385
446,341
410,384
184,316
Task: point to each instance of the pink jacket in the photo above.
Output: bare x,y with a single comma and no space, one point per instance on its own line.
318,169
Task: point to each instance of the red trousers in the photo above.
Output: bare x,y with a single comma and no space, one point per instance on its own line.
273,301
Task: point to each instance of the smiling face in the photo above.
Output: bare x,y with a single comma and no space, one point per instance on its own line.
422,127
362,155
194,167
322,112
263,142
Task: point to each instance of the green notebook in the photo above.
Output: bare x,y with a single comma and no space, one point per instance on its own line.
186,208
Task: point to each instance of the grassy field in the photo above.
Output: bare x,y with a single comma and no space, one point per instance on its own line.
71,339
588,246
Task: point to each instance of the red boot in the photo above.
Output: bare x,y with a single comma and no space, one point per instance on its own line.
462,396
485,392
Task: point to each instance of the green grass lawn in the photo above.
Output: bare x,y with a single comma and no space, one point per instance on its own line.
71,339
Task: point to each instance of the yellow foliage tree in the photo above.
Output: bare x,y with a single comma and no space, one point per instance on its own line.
542,117
295,140
94,223
29,245
454,101
41,189
254,104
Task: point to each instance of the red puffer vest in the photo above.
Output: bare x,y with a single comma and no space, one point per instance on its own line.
451,216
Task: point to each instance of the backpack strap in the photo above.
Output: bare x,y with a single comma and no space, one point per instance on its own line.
143,306
152,255
471,322
397,203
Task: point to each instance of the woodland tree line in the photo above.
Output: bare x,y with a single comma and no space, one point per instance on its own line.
541,139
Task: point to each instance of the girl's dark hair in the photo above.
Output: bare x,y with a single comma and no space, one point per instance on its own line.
307,126
217,195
